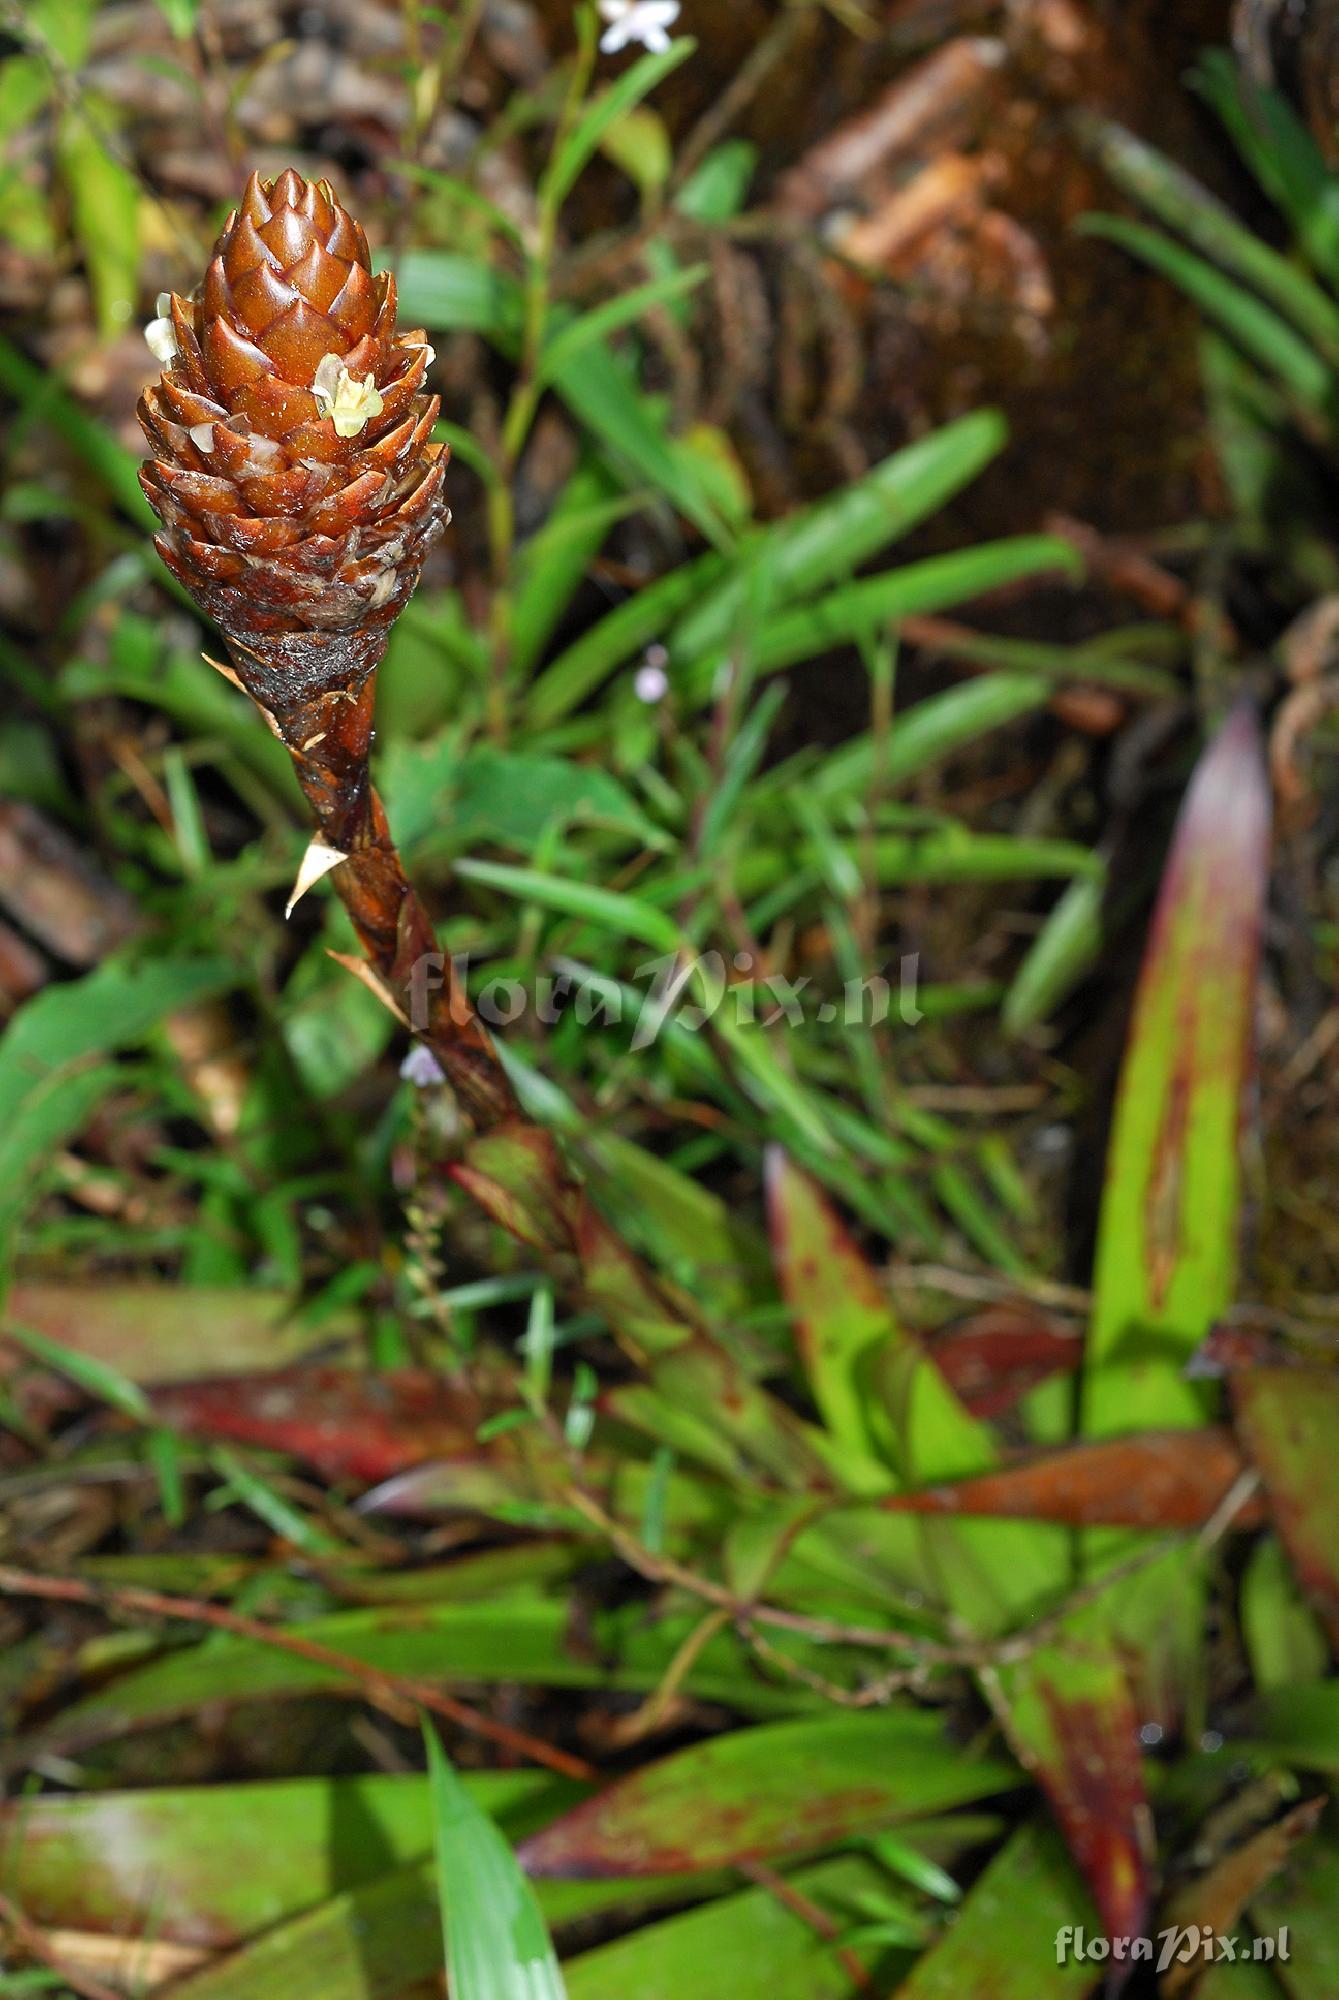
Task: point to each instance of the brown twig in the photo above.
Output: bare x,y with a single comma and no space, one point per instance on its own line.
396,1694
31,1939
925,1652
808,1912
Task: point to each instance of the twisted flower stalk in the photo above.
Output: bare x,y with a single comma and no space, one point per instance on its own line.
298,487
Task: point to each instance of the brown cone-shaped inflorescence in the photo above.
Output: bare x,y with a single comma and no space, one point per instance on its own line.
299,489
295,478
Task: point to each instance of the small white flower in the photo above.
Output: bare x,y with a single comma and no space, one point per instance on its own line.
348,403
644,21
651,682
160,333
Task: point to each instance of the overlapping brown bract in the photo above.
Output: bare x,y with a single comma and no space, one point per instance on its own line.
300,543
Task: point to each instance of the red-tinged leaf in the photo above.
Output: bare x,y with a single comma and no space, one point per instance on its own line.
1071,1720
888,1406
515,1173
646,1314
1158,1479
1005,1942
1166,1256
842,1317
994,1357
756,1433
1121,1659
1289,1422
784,1788
359,1427
1165,1272
168,1333
879,1394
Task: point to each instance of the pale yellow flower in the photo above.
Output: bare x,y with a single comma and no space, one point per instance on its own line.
349,403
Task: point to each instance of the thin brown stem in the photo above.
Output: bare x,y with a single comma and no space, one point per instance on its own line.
808,1912
32,1940
329,737
398,1695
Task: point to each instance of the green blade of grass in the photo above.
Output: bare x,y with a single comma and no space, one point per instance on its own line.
620,634
628,916
923,735
553,563
1004,1939
1061,953
497,1944
854,611
582,142
1268,338
832,539
446,290
1179,200
49,1083
941,854
1281,153
43,397
572,339
96,1377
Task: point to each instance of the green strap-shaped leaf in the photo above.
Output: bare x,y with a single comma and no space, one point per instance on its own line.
497,1944
1009,1940
785,1788
1166,1255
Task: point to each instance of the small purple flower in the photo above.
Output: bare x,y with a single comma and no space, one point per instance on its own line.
421,1068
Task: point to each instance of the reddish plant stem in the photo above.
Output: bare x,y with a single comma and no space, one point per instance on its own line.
397,1694
33,1941
329,737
